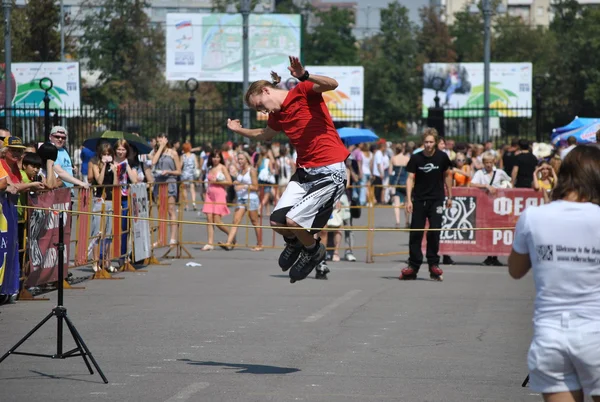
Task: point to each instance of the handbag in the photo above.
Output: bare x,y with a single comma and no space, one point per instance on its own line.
266,176
336,219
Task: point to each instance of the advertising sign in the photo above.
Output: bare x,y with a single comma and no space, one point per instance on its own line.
461,91
209,47
474,208
64,94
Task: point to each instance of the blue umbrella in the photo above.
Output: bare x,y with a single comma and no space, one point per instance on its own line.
584,135
576,124
353,136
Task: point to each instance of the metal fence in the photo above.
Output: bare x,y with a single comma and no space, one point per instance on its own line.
210,124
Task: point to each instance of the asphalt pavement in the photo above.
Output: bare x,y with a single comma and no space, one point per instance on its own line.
235,329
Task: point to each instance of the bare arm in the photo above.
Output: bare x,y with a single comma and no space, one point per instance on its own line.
518,264
64,176
410,181
259,134
322,83
448,181
158,153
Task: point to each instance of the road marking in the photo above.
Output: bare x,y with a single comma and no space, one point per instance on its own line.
330,307
188,391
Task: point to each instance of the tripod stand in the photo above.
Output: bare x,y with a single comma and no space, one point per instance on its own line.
61,314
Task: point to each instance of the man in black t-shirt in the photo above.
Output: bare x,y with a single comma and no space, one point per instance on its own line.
508,157
525,165
428,171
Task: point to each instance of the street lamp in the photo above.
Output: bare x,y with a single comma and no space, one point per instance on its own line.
487,17
6,5
46,85
245,11
192,85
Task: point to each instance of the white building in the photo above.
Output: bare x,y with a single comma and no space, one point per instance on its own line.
533,12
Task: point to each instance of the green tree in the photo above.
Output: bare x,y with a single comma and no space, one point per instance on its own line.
391,77
119,42
331,41
516,41
467,32
43,41
574,80
433,38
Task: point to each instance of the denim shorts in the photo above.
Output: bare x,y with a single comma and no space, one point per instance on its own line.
564,354
254,203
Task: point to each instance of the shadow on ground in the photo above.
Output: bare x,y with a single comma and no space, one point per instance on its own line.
244,368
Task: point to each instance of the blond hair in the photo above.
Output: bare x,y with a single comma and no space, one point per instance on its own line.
256,87
488,156
430,131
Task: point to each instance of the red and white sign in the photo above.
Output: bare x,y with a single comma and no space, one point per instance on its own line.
475,208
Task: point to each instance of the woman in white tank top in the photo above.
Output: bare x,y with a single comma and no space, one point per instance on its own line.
246,187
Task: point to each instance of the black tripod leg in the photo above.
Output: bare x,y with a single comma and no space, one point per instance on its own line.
83,353
79,339
27,336
523,385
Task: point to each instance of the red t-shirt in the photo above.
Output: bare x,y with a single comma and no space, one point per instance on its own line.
305,119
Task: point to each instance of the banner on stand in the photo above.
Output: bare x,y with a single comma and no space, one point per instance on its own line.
140,227
43,236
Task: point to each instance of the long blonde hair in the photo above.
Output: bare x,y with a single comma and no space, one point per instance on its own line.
257,86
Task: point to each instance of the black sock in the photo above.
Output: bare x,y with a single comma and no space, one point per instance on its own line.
290,240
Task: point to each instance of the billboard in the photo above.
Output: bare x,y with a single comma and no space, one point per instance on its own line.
346,102
460,88
208,47
65,92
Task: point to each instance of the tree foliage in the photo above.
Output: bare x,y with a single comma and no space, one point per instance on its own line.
391,79
331,41
128,52
434,39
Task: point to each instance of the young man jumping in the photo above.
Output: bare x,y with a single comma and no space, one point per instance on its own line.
320,177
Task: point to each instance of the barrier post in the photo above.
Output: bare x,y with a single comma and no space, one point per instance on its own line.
179,248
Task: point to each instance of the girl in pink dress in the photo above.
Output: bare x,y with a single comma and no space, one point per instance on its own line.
215,202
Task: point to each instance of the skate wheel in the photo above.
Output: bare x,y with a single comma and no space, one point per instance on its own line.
292,280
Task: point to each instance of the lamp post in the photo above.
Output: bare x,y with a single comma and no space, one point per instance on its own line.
487,15
46,85
192,85
488,12
246,59
62,30
6,5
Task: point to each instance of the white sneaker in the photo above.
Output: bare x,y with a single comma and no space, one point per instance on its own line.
350,257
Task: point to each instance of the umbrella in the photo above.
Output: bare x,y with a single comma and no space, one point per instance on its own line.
353,136
577,123
584,135
112,136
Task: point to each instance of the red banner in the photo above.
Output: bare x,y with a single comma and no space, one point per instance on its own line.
475,208
43,236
